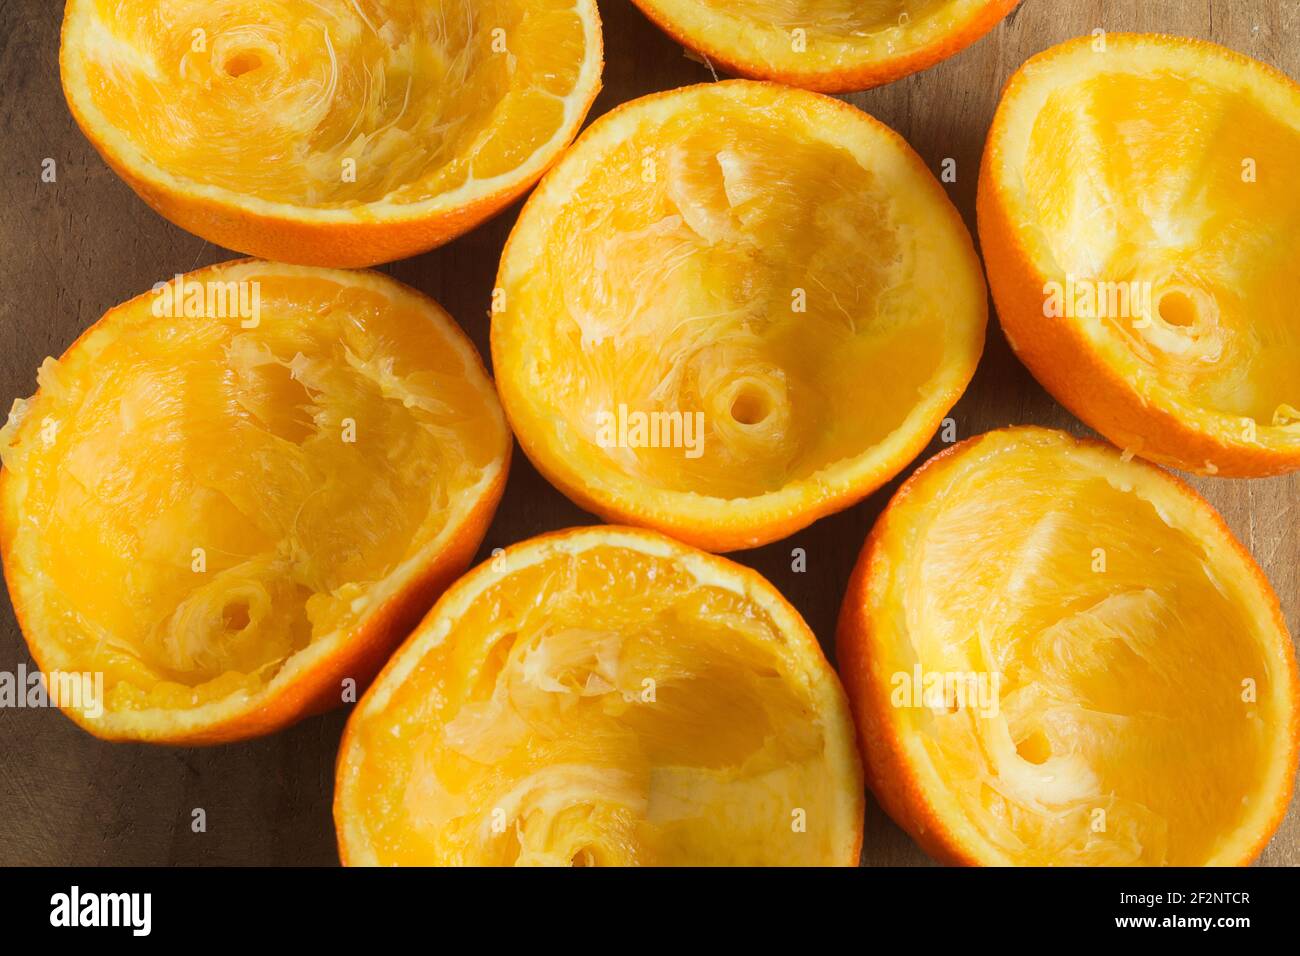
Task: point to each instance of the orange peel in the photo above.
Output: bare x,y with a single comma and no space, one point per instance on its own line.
1136,213
603,696
1057,656
338,134
224,519
732,309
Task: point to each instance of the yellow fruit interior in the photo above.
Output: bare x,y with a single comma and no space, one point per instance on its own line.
1122,729
201,500
744,288
828,39
844,20
602,708
1179,192
333,104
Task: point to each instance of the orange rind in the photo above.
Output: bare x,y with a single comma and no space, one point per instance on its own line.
603,697
227,517
1137,213
332,134
832,46
1059,656
732,309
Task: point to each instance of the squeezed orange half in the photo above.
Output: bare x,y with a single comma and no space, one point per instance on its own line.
603,697
336,134
231,497
1057,656
732,309
833,46
1138,212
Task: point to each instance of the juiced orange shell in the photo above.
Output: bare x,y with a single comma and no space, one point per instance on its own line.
335,134
228,516
603,696
1057,656
833,46
771,279
1137,212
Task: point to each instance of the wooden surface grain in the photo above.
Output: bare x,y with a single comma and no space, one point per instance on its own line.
73,248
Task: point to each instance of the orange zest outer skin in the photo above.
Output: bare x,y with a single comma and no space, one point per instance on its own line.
1060,356
889,774
751,578
303,241
717,535
314,691
848,80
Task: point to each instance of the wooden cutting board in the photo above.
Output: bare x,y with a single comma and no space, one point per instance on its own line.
73,248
